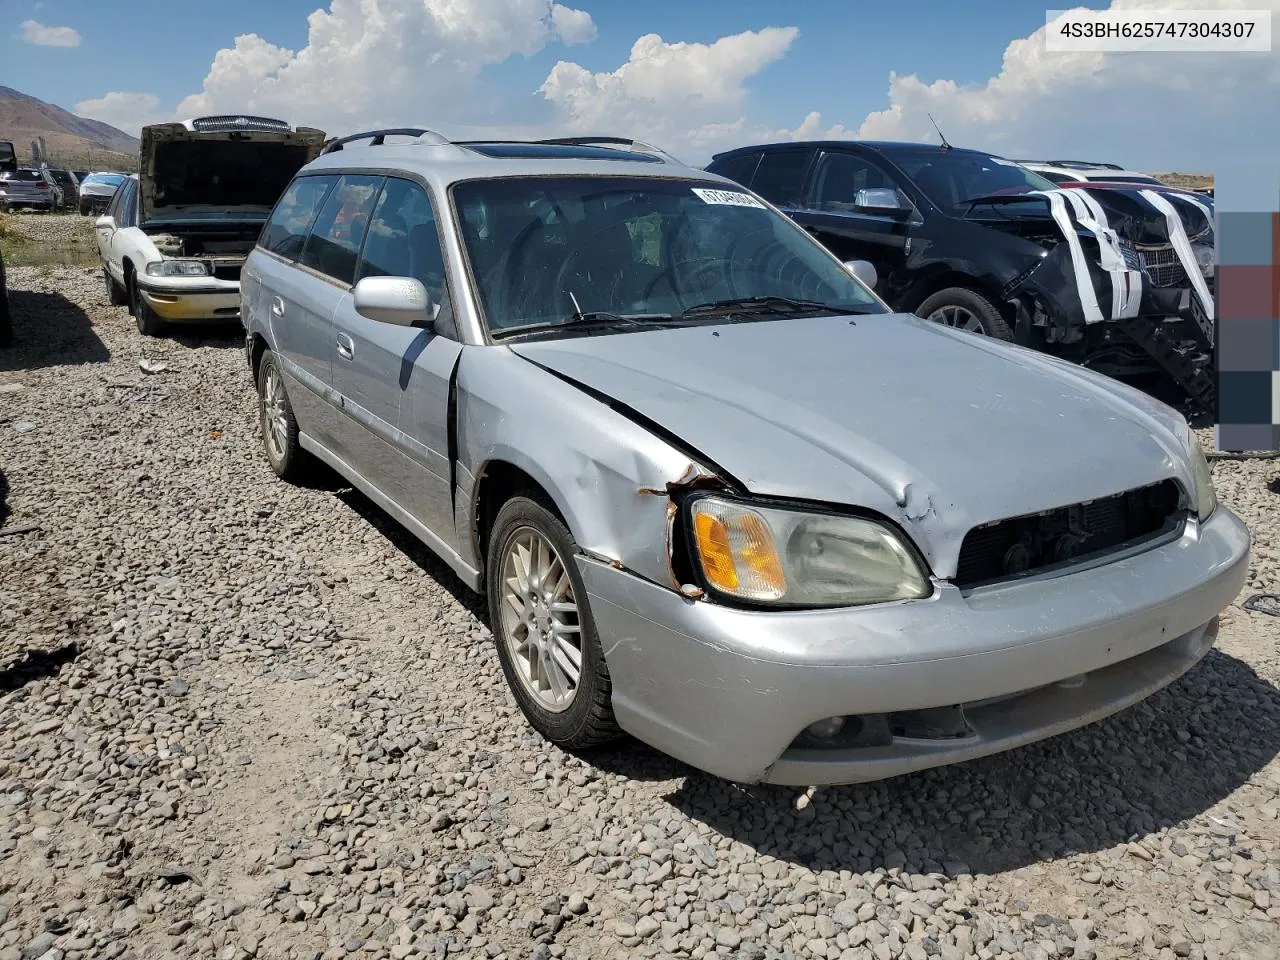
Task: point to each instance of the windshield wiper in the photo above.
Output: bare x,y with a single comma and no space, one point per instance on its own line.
750,305
579,320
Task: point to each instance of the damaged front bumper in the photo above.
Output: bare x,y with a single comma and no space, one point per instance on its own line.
919,683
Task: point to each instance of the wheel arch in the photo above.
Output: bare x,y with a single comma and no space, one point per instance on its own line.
944,277
497,481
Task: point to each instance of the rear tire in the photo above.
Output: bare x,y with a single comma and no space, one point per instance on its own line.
278,424
965,309
543,627
149,325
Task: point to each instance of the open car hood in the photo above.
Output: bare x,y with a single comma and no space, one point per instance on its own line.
186,174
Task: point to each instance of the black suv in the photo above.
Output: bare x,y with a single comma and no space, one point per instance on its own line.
964,238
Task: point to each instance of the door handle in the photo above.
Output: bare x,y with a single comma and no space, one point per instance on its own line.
346,347
277,307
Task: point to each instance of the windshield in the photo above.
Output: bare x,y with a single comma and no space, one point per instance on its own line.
544,248
950,178
61,177
107,179
29,175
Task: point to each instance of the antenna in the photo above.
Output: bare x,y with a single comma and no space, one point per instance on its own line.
941,135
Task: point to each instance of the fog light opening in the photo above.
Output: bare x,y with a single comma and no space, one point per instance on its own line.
826,729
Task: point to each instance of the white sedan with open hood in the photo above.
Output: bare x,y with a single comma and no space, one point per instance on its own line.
175,236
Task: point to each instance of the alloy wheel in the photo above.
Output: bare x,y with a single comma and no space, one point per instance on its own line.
540,623
961,318
274,425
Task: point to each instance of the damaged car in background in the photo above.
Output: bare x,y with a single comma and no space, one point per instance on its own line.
1118,279
718,495
174,237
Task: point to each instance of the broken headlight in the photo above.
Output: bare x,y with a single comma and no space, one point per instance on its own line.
792,558
178,268
1206,495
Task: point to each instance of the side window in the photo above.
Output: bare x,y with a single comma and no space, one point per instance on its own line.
840,176
780,176
402,239
286,231
333,245
739,168
113,208
128,216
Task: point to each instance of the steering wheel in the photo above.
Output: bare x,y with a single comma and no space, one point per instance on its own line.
698,268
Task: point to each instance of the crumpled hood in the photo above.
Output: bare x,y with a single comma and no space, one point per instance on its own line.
937,429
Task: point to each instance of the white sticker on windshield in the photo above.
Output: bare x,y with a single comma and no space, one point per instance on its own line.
729,198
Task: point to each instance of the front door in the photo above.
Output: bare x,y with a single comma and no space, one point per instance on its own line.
394,381
851,232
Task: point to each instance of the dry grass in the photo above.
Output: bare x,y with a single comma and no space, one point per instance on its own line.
1188,181
76,246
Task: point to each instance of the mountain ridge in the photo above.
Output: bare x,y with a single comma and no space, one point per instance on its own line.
68,138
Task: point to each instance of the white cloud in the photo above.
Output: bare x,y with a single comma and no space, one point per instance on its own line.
125,111
396,61
572,26
1153,110
683,96
38,34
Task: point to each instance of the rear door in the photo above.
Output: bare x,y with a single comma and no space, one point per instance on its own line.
295,306
112,238
104,227
393,380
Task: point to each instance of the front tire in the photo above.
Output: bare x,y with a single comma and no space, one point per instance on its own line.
278,423
965,309
149,325
543,628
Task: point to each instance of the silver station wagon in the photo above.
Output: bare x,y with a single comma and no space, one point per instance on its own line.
719,496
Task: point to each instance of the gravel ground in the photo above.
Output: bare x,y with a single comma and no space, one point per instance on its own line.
243,719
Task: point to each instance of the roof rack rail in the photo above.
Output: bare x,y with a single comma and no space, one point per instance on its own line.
1088,164
639,146
377,138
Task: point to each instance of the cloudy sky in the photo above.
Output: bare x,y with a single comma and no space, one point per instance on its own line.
694,76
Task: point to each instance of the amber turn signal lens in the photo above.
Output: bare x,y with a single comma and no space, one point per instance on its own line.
737,551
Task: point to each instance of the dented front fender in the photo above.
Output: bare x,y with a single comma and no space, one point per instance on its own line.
600,468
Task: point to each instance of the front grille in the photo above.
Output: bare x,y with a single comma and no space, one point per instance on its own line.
240,122
1160,263
1019,546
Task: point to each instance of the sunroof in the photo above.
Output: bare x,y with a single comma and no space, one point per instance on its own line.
558,151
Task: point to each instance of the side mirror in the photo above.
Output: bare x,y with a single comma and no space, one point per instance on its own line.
863,270
403,301
882,200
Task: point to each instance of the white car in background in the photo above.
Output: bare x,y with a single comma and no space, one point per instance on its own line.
174,236
1080,171
97,189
